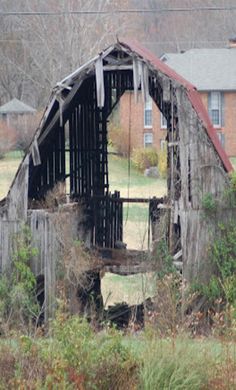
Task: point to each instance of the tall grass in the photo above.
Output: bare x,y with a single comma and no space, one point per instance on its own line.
174,366
184,363
73,356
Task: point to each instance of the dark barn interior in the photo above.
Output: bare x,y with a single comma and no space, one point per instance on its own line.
87,147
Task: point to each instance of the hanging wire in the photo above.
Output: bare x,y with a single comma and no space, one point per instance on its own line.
149,224
121,11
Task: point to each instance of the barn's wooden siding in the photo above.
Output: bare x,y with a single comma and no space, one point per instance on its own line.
53,234
202,173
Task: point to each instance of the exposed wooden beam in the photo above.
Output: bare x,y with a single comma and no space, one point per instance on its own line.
117,67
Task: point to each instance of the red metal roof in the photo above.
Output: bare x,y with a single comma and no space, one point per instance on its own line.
192,93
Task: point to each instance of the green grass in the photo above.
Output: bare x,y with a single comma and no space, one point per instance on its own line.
132,289
14,155
119,173
8,168
132,183
136,213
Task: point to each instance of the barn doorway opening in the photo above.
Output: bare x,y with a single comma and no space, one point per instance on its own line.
137,169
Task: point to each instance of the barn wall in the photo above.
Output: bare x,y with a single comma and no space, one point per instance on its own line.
7,231
202,173
13,213
17,198
53,234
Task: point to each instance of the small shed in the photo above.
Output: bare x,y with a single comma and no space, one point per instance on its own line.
16,107
14,110
79,106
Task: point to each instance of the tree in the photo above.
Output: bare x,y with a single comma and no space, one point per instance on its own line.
52,46
170,30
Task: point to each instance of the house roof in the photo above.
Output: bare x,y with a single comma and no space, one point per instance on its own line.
208,69
16,106
193,96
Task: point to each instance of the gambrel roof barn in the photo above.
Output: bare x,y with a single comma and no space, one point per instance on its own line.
80,104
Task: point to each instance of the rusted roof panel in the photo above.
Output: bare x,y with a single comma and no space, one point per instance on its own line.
200,109
156,62
192,92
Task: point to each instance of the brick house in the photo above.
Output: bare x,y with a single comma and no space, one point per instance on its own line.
147,124
212,71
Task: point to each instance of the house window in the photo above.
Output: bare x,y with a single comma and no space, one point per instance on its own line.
148,113
148,140
163,122
215,105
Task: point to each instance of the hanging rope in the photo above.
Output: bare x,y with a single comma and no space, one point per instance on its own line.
149,224
129,159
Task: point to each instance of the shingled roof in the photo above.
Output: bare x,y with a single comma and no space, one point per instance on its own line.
207,69
16,106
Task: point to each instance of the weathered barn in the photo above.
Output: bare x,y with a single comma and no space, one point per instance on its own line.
80,105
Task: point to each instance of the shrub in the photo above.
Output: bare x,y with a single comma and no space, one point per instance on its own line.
209,203
220,291
18,304
144,158
162,163
164,259
230,192
223,254
102,361
232,176
119,138
73,357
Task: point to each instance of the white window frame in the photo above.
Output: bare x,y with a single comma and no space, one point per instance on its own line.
145,139
163,122
163,144
216,104
148,108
